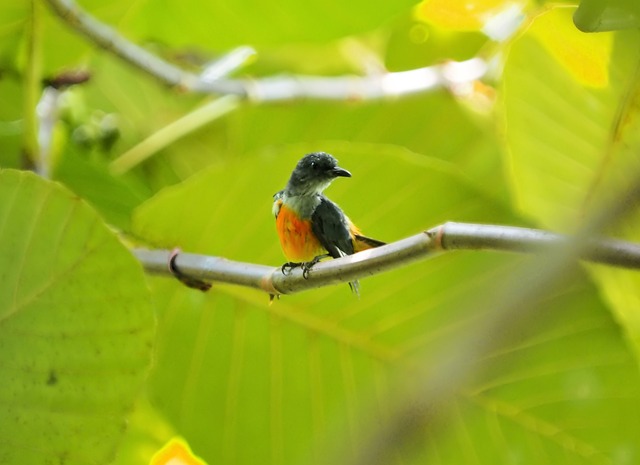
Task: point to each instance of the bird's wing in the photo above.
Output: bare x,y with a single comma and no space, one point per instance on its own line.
331,228
277,203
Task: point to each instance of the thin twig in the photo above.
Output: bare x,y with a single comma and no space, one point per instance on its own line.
449,236
174,131
109,39
276,88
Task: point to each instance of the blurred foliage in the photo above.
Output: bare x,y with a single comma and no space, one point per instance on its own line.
544,141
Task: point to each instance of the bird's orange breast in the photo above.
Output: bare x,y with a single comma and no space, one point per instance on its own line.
298,242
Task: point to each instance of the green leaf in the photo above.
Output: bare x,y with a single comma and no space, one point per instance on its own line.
607,15
75,327
92,180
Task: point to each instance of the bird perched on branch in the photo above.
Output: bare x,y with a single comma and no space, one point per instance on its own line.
310,226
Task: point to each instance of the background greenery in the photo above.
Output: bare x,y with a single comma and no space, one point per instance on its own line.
544,141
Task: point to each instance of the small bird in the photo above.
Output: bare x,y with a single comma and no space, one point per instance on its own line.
310,226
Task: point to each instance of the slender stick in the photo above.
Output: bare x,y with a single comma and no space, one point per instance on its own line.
109,39
174,131
449,236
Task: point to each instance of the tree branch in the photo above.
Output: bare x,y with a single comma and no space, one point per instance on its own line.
277,88
109,39
449,236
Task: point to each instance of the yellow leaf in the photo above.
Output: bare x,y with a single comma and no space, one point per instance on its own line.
175,452
584,55
462,15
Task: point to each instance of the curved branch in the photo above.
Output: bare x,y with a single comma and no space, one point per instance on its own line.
109,39
449,236
276,88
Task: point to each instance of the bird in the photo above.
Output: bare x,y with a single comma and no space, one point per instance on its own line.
310,226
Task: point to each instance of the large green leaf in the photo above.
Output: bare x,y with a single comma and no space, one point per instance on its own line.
75,327
573,143
303,377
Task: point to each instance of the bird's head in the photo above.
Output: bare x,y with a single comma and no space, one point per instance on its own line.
313,173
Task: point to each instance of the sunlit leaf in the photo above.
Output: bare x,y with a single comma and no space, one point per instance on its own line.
175,452
460,14
584,56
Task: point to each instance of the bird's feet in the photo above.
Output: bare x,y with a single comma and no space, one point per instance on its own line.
289,266
306,266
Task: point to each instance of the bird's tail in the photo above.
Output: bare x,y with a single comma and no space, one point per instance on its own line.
363,242
353,285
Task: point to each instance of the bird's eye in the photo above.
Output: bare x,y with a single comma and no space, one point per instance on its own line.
313,165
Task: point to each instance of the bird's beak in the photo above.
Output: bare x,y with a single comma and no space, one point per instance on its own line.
337,171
